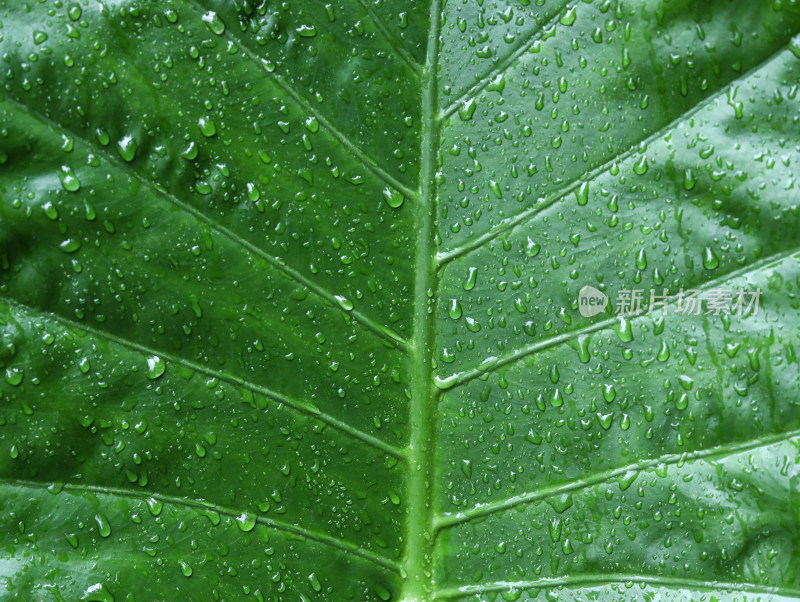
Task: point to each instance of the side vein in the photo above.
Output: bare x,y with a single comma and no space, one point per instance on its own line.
231,379
493,363
721,451
368,161
378,329
327,540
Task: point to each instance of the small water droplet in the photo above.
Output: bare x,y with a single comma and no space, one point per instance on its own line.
103,526
312,125
207,126
472,278
214,23
344,303
455,310
70,245
467,109
155,367
186,568
582,193
641,166
710,259
69,180
127,148
50,210
14,376
393,197
245,522
306,31
569,17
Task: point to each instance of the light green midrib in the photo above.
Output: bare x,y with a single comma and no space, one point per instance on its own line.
418,563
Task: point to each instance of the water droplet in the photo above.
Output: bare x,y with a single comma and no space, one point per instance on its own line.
344,303
207,126
97,592
39,37
14,376
186,568
214,23
710,259
245,522
467,109
50,210
455,310
582,194
472,278
190,152
70,245
393,197
689,181
641,260
127,148
103,526
155,367
569,17
605,420
69,180
641,166
154,505
624,330
447,382
306,31
74,11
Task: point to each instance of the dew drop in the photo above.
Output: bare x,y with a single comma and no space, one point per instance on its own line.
393,197
569,17
207,126
126,148
50,210
344,303
69,180
472,278
103,526
186,568
14,376
214,23
582,194
70,245
641,166
245,522
306,31
710,259
455,310
155,367
467,109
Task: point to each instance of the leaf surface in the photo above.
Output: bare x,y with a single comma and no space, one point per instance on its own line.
289,300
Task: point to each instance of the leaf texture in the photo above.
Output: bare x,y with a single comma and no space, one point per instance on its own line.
289,300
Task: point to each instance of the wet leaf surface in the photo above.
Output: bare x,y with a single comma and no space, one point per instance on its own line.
290,300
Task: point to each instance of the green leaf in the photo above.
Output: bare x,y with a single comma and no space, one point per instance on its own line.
290,300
